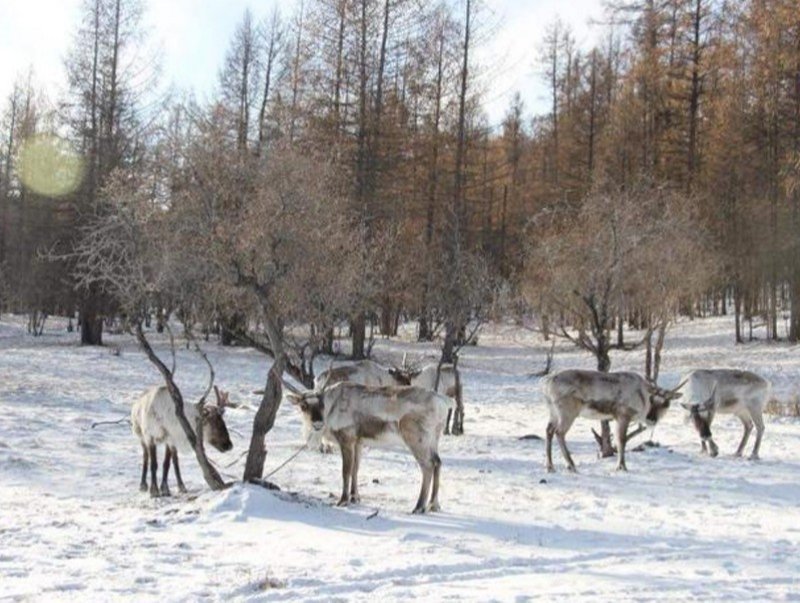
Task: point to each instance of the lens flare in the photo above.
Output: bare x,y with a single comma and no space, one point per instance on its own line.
49,166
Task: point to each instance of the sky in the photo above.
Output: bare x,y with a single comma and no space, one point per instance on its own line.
193,35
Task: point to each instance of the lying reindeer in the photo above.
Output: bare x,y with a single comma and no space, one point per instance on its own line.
726,391
354,414
624,397
153,421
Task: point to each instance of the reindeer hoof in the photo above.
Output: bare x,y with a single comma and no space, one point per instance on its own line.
154,493
418,511
550,469
434,508
572,469
182,489
355,499
343,502
755,457
165,492
622,468
143,488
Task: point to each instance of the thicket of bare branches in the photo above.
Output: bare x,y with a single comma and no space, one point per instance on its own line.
639,250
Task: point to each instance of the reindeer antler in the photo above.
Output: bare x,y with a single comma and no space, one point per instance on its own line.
222,397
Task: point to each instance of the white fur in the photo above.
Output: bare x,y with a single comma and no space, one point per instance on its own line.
153,419
427,378
347,404
372,374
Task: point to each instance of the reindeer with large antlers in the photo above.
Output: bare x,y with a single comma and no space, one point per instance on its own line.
154,421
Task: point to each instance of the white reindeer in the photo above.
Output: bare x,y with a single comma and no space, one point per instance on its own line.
154,421
353,414
726,391
373,374
624,397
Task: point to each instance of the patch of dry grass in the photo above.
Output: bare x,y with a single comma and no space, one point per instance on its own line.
779,408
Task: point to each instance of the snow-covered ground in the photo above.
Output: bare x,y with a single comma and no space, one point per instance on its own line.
73,524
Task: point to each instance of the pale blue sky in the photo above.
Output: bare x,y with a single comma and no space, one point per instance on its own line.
193,36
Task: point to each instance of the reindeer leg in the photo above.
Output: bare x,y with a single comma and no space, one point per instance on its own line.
758,419
143,483
153,471
346,446
354,496
437,466
622,437
561,429
551,430
447,422
562,443
748,427
165,471
427,475
703,447
414,437
181,487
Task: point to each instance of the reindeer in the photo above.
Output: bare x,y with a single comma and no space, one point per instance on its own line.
364,372
726,391
354,414
372,374
624,397
443,379
154,421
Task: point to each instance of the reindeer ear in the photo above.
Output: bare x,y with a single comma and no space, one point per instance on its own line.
294,398
687,405
707,405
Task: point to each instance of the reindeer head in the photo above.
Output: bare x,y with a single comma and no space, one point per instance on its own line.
215,432
312,405
701,414
660,400
405,373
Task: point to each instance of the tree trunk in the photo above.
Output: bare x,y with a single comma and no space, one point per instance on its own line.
264,421
604,365
91,324
737,305
230,327
327,342
424,332
358,330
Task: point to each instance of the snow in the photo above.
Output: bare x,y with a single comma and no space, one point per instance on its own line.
73,525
